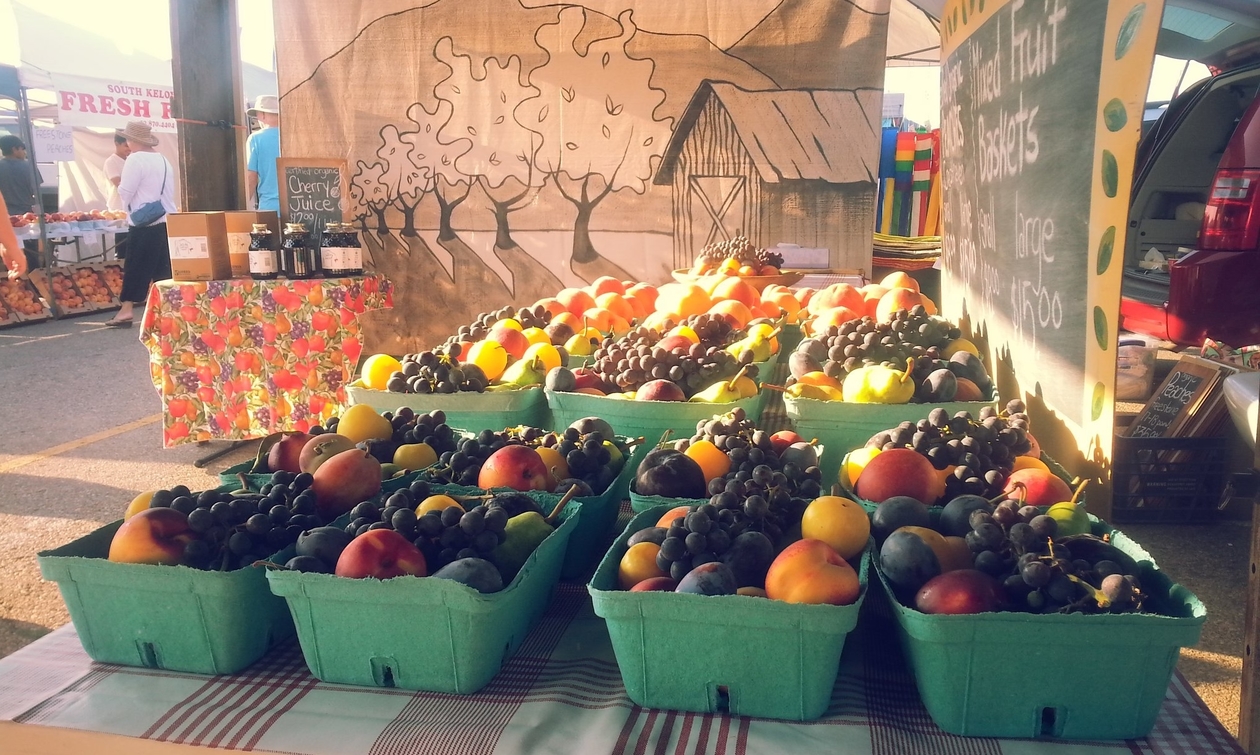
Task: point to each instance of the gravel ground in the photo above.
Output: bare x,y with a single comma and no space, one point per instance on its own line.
67,381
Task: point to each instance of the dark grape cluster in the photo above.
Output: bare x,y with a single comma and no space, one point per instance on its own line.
588,460
740,249
443,535
529,317
1041,574
234,529
982,451
858,343
437,371
635,358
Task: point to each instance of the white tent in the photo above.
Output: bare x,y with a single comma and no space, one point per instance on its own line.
50,49
914,37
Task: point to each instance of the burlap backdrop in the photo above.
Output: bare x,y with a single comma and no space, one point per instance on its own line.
503,149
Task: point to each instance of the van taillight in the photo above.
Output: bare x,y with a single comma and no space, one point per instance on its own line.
1232,218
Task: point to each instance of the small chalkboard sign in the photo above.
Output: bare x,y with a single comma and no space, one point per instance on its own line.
1176,400
312,191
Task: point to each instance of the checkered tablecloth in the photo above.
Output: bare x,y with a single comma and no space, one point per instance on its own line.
560,693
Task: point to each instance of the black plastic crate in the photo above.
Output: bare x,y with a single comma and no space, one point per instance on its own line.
1167,480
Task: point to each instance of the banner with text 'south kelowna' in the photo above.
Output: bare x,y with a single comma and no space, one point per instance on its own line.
500,150
1041,111
106,103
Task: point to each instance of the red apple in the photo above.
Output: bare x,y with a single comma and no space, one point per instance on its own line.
584,377
285,454
151,536
783,439
344,481
660,390
516,467
382,554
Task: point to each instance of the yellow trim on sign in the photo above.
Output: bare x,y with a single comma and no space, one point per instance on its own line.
962,17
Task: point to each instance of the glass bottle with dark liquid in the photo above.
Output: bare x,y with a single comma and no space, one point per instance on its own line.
297,256
341,254
263,262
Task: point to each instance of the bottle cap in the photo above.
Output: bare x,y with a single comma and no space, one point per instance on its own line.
295,227
261,228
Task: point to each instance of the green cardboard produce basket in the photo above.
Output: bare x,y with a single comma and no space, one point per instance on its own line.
789,337
465,409
647,418
843,426
599,513
675,650
417,633
1066,676
170,617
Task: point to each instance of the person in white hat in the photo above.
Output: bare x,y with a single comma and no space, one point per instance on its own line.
147,183
261,152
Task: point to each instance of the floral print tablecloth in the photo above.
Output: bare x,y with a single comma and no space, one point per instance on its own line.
241,359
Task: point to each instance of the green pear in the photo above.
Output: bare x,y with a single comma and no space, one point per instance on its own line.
877,384
525,532
524,373
721,392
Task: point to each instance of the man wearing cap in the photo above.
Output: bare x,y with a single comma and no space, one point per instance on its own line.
262,149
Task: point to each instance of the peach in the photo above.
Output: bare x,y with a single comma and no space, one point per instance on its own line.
898,471
616,304
285,453
900,279
669,516
928,304
552,305
639,564
567,318
735,312
344,481
513,342
967,391
575,300
1041,488
516,467
836,295
381,554
152,536
804,294
606,284
639,304
835,316
658,320
734,288
895,299
682,300
785,301
655,584
620,325
810,571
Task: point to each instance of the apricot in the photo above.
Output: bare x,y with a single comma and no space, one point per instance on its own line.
838,522
735,312
151,536
734,288
896,299
616,304
713,461
855,462
810,571
639,564
899,279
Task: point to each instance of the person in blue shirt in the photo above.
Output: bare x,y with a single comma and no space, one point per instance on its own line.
261,150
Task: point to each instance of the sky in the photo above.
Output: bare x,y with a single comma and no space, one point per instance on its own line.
144,26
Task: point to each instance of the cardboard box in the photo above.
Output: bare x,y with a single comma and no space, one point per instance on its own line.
198,246
239,224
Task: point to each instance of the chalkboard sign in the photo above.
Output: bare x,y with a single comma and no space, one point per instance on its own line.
312,191
1041,102
1177,399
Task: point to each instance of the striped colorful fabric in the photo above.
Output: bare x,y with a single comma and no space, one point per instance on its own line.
560,693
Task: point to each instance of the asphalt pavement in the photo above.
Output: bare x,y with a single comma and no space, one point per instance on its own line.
81,437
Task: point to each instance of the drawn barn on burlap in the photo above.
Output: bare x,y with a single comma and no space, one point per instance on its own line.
781,166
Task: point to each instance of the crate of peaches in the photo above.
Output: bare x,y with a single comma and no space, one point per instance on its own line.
58,288
20,297
96,291
113,276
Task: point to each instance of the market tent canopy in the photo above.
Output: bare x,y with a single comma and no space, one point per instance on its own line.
914,36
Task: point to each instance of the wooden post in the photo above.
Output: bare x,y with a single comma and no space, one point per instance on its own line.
1249,716
210,103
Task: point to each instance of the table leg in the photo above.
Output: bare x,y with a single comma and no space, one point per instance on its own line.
204,460
1249,716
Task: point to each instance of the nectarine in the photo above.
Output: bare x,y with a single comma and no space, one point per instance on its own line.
382,554
898,471
810,571
836,295
152,536
575,300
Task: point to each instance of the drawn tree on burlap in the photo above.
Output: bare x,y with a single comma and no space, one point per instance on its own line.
368,190
501,153
406,181
436,159
595,114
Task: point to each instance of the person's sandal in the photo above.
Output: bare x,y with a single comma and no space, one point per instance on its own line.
116,323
